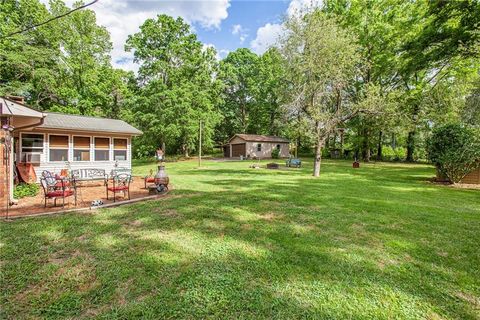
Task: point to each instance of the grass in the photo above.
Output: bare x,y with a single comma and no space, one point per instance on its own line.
232,242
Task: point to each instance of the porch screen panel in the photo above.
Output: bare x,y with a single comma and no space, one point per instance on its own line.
120,149
81,148
58,148
102,149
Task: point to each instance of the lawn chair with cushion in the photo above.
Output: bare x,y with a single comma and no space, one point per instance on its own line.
119,183
55,187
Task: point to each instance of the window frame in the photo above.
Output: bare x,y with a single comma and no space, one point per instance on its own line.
95,149
49,148
89,148
259,147
113,148
20,160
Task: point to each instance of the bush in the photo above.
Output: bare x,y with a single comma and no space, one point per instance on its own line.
275,153
397,154
454,150
23,190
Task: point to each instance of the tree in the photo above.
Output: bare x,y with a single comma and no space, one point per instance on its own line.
375,25
177,86
238,72
321,61
62,66
455,150
28,61
84,65
449,29
269,87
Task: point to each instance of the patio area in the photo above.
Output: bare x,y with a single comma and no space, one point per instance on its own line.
86,193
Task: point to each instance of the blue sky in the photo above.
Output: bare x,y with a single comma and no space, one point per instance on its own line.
223,24
239,29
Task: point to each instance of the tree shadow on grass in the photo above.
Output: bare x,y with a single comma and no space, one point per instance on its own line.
272,250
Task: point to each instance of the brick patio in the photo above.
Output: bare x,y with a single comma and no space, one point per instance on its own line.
86,193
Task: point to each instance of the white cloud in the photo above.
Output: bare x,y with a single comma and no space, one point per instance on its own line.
221,53
237,29
123,17
267,36
298,7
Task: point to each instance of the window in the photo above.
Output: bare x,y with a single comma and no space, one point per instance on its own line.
32,147
102,149
81,148
278,146
119,149
259,147
58,147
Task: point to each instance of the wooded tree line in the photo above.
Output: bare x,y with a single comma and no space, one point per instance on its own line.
363,78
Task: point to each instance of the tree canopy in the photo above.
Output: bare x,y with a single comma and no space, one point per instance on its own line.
363,78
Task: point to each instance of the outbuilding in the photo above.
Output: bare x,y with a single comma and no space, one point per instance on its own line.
255,146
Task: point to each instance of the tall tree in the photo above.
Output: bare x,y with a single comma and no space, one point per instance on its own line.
85,60
321,60
28,61
62,66
267,91
178,88
238,71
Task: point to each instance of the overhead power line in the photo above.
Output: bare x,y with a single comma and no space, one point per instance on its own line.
49,20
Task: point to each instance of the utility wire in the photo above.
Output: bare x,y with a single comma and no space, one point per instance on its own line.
49,20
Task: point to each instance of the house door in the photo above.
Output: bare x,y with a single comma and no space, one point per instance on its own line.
238,150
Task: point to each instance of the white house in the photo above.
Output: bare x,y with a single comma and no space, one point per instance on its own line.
54,141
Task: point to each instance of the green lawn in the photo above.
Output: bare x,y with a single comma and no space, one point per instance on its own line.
232,242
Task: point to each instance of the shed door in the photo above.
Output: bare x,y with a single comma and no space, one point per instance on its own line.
238,150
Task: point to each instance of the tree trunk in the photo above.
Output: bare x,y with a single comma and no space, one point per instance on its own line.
296,147
380,142
341,144
366,146
244,118
185,151
410,146
318,158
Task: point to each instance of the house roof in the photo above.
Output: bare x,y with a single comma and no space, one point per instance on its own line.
86,123
259,138
15,109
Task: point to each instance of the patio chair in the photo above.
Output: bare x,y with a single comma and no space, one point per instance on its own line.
149,179
54,188
55,181
119,183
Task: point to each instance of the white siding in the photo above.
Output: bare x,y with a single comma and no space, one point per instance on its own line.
267,148
57,166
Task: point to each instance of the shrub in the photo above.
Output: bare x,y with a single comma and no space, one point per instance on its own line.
23,190
390,154
275,153
454,150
